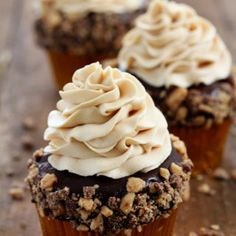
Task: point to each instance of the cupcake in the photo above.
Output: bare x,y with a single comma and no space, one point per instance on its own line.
111,166
78,32
187,69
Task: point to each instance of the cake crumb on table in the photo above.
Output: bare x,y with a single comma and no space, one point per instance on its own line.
221,174
206,189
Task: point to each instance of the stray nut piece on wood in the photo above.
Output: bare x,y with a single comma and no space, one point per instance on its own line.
221,174
135,185
17,193
48,181
206,189
127,203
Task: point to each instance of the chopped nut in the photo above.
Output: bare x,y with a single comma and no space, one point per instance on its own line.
87,204
165,173
193,234
215,227
28,123
199,120
84,214
127,203
106,211
206,189
97,223
221,174
17,193
176,98
33,172
135,185
210,232
82,228
175,169
181,114
27,142
128,232
38,154
48,181
180,147
173,138
139,229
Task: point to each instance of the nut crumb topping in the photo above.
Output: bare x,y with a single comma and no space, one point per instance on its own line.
82,228
175,169
106,211
86,204
135,185
127,203
165,173
97,223
48,181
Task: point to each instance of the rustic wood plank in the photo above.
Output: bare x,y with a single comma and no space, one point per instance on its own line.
27,89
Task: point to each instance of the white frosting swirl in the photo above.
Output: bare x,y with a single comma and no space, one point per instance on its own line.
74,8
172,45
106,124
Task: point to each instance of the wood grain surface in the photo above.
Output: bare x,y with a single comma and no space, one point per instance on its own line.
26,89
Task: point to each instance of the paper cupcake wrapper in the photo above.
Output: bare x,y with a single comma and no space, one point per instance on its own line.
161,227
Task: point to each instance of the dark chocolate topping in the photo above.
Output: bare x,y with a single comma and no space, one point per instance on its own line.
107,186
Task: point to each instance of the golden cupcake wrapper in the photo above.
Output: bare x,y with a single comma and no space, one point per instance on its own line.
160,227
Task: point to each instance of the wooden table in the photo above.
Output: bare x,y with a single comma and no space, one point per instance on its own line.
26,89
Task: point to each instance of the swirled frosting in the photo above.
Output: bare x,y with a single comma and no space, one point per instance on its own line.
106,124
172,45
74,8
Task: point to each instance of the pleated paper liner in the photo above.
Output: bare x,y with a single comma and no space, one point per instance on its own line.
205,146
161,227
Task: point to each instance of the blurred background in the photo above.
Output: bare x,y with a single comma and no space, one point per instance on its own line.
27,94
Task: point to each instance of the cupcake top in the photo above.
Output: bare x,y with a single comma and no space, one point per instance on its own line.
75,8
106,124
172,45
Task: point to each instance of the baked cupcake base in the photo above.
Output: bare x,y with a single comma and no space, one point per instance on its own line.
64,65
205,145
99,206
160,227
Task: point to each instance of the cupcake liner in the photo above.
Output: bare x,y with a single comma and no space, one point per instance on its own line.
205,145
160,227
64,65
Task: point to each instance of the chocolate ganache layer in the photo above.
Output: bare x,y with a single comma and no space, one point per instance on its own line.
107,186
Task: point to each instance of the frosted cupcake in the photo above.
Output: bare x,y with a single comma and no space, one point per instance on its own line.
186,67
111,167
78,32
